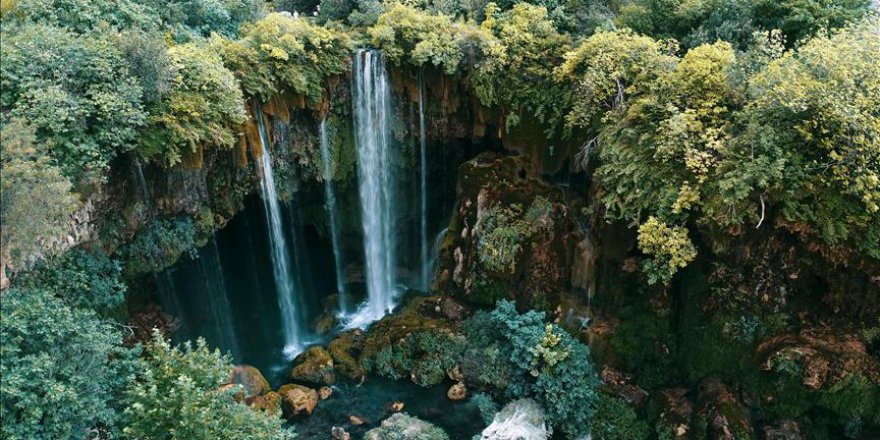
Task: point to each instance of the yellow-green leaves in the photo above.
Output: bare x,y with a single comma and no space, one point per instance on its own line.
669,246
404,33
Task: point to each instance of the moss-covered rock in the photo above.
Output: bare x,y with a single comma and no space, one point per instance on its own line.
511,236
269,403
250,379
401,426
315,365
723,413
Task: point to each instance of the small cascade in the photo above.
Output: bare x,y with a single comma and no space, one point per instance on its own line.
284,281
333,216
423,195
431,267
213,287
376,183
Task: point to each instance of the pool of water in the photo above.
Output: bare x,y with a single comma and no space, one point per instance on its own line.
372,402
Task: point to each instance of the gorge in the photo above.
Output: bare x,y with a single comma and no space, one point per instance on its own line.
635,220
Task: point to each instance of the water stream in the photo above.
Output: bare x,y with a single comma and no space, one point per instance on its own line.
333,217
423,177
284,282
376,184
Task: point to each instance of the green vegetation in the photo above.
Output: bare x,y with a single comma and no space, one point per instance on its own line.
177,394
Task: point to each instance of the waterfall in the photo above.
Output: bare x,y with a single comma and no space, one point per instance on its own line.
423,175
435,252
376,182
213,286
280,256
333,216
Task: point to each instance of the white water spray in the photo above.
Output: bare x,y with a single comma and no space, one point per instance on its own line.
280,256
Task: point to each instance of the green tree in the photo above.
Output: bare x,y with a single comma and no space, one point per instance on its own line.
63,368
202,108
36,199
179,394
76,91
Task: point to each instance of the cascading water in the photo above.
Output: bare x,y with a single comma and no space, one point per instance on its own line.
284,281
333,216
213,287
423,176
376,183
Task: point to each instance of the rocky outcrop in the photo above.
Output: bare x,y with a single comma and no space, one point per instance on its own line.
250,379
621,385
457,392
315,365
823,357
297,399
519,420
511,232
784,430
673,410
401,426
726,416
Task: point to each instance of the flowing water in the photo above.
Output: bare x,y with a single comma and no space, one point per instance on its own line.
284,282
376,184
423,177
333,217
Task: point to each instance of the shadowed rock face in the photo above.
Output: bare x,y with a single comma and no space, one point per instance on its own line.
535,222
824,358
726,416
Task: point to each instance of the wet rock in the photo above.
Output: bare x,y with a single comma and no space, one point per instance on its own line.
356,421
725,415
785,430
337,433
269,403
325,392
457,392
621,385
344,350
519,420
250,379
455,374
324,323
315,365
397,406
297,399
404,427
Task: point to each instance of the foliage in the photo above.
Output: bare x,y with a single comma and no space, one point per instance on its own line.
63,369
486,405
402,31
425,356
502,233
279,53
76,91
401,426
735,21
36,201
84,16
191,19
615,420
201,109
517,73
177,394
87,280
536,360
158,246
670,247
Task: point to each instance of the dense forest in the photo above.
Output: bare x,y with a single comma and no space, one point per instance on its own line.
440,219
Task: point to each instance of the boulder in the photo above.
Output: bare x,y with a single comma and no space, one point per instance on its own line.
519,420
297,399
674,410
622,386
455,374
250,379
314,366
404,427
725,415
337,433
325,392
344,351
457,392
356,421
269,403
